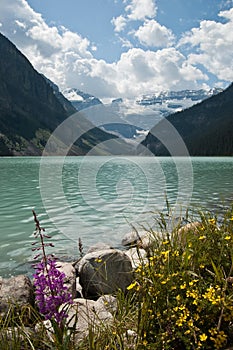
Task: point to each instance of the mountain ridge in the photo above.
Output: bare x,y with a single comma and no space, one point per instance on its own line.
206,128
138,115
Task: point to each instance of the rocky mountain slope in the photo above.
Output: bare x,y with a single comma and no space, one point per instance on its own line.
206,128
31,108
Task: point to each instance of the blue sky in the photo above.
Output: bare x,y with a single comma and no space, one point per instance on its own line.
124,48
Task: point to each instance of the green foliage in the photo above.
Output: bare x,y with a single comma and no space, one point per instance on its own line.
184,292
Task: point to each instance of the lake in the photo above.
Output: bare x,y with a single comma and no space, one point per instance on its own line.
98,199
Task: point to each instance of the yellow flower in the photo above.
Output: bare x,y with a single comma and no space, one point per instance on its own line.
211,295
165,242
202,237
212,221
227,238
166,254
183,286
203,337
132,285
175,253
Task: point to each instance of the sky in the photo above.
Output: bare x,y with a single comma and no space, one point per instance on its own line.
124,48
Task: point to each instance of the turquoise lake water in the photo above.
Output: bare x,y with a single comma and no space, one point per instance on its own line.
97,199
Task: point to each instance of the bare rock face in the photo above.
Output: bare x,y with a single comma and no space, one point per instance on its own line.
104,272
16,290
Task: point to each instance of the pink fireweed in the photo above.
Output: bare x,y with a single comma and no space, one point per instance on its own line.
50,291
49,282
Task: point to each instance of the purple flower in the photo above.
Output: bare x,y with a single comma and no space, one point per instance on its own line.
50,291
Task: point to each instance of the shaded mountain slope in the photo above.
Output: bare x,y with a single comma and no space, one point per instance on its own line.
206,128
30,109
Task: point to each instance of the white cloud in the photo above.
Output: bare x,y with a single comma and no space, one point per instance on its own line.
151,33
119,23
140,71
67,58
141,9
214,41
20,24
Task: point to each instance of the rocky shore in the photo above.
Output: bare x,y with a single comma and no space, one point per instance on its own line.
93,281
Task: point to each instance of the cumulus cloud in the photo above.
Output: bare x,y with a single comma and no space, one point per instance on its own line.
151,33
68,59
141,9
140,71
214,41
119,23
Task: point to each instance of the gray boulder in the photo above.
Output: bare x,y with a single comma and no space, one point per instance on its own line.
137,256
99,246
104,272
91,314
70,279
131,238
184,232
87,315
17,290
139,239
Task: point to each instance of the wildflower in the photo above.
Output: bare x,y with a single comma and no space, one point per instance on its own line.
203,337
211,295
212,221
51,291
132,285
227,238
219,339
49,282
202,237
165,242
175,253
183,286
166,254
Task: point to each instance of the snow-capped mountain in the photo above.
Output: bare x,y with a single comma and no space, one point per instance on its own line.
134,118
79,99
